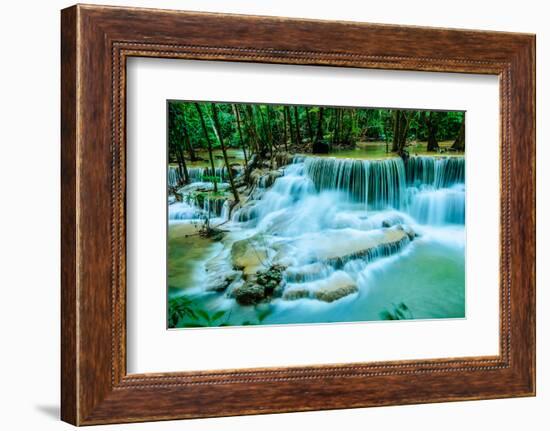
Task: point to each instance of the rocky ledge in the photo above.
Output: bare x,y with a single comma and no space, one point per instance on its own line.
258,268
337,286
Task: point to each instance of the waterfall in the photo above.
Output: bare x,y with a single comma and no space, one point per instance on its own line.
183,211
429,189
198,174
438,172
377,183
341,234
174,177
287,190
440,206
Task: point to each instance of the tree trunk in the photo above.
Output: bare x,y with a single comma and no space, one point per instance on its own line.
238,118
190,148
272,148
182,165
252,129
432,127
290,126
225,159
297,121
319,135
309,126
460,142
396,130
335,126
266,143
285,137
205,130
400,130
349,138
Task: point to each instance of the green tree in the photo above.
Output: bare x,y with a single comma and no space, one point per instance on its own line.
224,152
209,143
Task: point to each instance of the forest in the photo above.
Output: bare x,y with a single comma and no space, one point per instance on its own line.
197,130
292,214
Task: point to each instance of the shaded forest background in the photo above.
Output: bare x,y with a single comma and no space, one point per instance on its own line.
198,131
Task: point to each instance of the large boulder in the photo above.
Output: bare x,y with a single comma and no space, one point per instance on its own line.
260,287
249,293
249,256
336,287
332,293
336,248
270,279
264,178
296,293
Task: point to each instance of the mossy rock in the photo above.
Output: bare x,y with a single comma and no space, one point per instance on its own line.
249,294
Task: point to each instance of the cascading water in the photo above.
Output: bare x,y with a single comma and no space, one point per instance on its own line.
354,237
436,189
440,206
199,174
438,172
378,183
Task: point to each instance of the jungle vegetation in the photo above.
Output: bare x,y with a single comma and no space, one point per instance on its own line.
264,130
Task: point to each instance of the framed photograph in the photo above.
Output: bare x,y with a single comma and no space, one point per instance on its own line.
266,215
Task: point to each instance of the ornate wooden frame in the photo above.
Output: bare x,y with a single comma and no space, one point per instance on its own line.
95,43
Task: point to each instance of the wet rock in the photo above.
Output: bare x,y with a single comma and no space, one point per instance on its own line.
313,271
408,230
220,273
279,290
336,287
271,279
256,176
283,159
201,187
220,283
296,293
264,178
249,293
340,250
260,287
392,221
333,293
247,212
249,256
270,178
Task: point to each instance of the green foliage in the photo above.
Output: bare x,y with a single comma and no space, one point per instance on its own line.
264,127
178,309
398,312
182,312
263,313
211,179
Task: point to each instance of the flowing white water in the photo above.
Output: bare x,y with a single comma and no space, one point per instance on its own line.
199,174
318,218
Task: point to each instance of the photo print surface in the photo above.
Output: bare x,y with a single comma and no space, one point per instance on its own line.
289,214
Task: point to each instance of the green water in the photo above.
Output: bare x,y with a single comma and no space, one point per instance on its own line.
429,277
